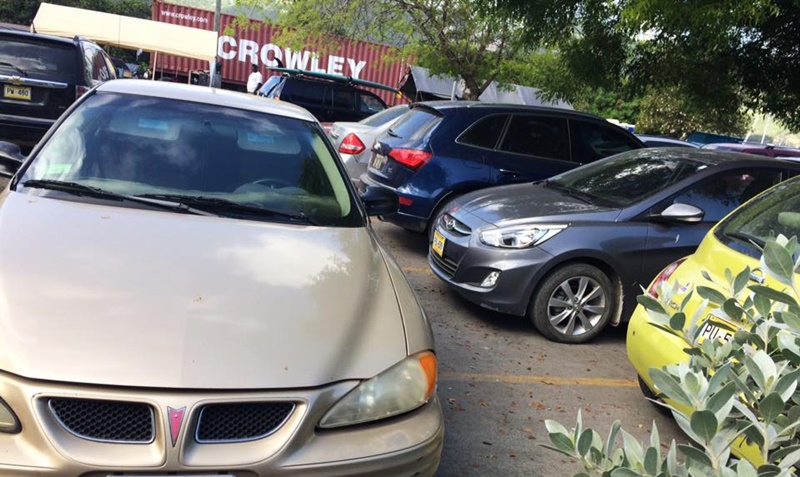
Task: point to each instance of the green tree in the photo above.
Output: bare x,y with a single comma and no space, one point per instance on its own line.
22,12
450,37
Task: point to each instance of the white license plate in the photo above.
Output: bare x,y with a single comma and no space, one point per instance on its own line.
378,161
17,92
714,332
438,243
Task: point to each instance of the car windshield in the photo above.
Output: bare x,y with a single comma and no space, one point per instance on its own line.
205,156
38,60
384,116
629,177
775,213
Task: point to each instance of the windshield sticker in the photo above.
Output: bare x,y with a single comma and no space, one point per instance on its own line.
260,138
154,124
58,168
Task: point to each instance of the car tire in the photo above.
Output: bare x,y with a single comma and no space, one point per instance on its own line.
580,288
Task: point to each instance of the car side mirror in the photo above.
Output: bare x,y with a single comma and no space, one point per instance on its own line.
679,212
11,159
379,201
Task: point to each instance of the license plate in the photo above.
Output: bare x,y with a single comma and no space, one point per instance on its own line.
378,161
714,332
438,243
17,92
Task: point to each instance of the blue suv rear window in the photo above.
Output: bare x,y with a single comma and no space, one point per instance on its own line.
415,124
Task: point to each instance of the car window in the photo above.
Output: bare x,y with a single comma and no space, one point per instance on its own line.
539,136
592,141
344,98
629,177
383,117
416,124
272,81
775,213
721,193
307,92
484,132
371,103
38,60
99,70
134,145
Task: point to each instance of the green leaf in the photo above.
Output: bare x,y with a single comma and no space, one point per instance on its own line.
731,307
559,450
771,406
787,384
772,294
711,295
670,387
650,303
585,442
745,469
651,460
687,299
677,321
762,303
623,472
778,262
721,403
612,436
704,425
741,281
695,454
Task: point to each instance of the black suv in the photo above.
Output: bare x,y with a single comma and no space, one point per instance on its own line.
40,77
330,98
440,150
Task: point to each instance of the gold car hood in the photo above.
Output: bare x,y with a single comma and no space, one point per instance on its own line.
130,297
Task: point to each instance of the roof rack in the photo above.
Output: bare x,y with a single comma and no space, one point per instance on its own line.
331,77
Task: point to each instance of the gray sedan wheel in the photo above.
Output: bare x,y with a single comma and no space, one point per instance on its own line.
573,304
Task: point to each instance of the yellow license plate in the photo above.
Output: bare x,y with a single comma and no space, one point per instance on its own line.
438,243
378,161
710,331
17,92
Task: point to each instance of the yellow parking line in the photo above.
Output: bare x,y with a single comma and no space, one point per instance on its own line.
548,380
423,270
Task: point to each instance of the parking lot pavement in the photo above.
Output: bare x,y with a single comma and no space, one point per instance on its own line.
499,380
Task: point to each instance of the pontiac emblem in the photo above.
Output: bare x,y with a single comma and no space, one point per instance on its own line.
175,417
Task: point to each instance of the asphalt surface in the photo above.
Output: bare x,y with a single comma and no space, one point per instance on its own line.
499,380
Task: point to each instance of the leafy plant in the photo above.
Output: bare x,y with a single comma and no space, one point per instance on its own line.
740,394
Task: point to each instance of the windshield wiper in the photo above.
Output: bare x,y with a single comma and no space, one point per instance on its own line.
746,238
20,70
76,188
219,204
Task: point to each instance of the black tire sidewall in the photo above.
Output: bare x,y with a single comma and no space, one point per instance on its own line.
537,310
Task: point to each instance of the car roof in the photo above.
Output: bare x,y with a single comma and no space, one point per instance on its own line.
206,95
713,157
649,137
445,105
40,36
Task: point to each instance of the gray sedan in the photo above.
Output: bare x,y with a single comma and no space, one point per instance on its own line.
571,252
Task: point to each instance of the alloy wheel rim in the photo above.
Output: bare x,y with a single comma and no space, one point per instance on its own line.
576,306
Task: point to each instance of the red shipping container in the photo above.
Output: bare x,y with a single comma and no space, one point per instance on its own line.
358,59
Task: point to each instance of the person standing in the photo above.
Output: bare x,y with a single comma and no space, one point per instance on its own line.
255,80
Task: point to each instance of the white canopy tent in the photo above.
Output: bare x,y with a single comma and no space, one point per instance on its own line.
126,32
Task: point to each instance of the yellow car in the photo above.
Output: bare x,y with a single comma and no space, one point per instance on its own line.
734,244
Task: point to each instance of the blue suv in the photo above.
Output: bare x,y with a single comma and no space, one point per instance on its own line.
440,150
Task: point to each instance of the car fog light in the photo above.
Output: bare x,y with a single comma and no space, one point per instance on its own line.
490,280
8,421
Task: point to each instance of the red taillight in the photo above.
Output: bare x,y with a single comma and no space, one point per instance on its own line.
405,201
412,158
80,91
663,277
351,145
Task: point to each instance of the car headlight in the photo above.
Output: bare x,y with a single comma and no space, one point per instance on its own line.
520,236
404,387
8,421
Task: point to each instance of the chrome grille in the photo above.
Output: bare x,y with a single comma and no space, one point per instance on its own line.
105,421
446,265
236,422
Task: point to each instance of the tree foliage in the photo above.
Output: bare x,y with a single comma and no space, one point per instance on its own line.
21,12
450,37
731,394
